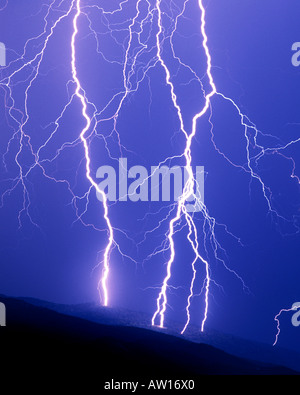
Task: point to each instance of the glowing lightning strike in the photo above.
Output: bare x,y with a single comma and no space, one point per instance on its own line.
190,184
102,286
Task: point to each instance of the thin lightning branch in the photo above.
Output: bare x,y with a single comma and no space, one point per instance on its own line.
276,318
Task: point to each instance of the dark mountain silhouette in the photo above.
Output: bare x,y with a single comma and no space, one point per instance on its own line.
41,337
231,344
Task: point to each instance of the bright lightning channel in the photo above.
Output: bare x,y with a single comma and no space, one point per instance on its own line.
190,184
102,286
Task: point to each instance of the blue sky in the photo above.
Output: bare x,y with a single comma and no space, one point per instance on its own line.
50,254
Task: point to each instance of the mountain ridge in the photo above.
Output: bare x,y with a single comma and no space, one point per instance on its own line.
32,328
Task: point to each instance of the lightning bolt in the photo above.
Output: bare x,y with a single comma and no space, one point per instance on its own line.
79,92
295,307
189,187
190,184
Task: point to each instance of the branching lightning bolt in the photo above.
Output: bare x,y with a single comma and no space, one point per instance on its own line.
190,184
81,96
